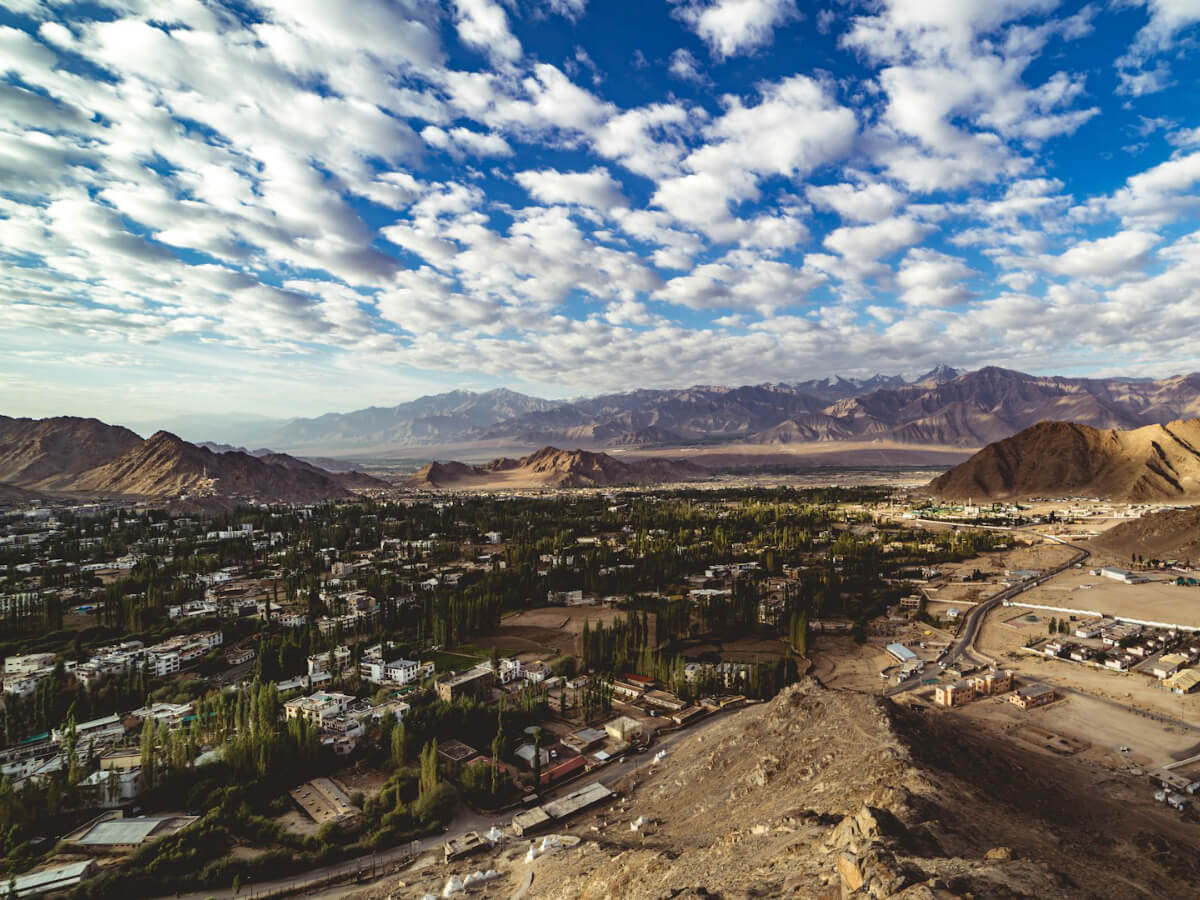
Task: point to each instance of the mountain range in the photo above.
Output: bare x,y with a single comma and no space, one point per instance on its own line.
1154,462
945,407
551,467
68,455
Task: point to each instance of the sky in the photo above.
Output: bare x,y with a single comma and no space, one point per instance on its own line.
291,207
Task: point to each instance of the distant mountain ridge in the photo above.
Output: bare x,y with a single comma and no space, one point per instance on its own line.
440,419
1154,462
86,456
552,467
944,407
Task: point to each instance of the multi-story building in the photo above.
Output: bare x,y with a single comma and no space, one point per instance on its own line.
1033,696
476,682
319,708
331,661
954,694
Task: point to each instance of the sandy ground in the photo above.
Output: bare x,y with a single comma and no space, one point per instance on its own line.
1100,728
1158,601
821,453
1003,643
546,632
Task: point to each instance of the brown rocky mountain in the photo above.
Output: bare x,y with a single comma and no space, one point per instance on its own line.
1168,534
944,408
35,451
1155,462
551,467
164,465
85,456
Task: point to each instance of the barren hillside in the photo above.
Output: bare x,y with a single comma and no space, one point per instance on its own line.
1170,534
36,451
1156,462
826,794
551,467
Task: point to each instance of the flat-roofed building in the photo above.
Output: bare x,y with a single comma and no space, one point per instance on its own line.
954,694
318,709
476,682
1168,664
1032,696
623,729
900,653
53,880
1184,681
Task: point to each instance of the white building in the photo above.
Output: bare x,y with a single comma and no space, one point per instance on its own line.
318,708
332,661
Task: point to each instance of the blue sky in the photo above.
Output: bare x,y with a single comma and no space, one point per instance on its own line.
284,208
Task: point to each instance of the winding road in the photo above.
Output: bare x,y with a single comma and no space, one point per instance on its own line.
963,647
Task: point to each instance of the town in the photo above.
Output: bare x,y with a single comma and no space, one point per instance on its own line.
193,702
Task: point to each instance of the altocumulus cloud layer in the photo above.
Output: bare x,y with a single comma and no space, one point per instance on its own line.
317,204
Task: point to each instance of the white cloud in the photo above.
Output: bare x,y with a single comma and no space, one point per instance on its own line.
1120,254
1167,18
1160,194
483,24
807,128
596,188
685,66
929,278
462,142
857,203
865,244
733,27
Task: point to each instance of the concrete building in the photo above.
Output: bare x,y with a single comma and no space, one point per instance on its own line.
1032,696
900,653
1168,664
1184,681
331,661
957,693
319,708
992,682
476,682
623,729
55,880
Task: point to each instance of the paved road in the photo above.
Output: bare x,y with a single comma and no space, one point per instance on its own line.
465,820
963,647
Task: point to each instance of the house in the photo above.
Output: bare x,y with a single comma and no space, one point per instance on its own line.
624,690
954,694
623,729
992,682
584,739
235,656
319,708
53,881
912,601
113,788
476,682
1090,628
331,661
398,671
1168,664
455,753
664,700
1032,696
1184,681
900,653
510,670
1123,575
525,753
